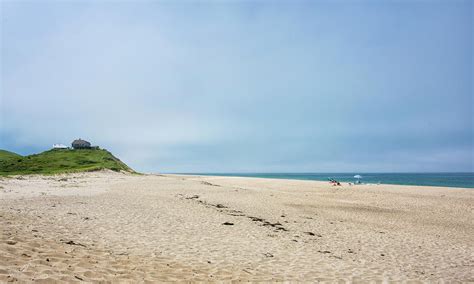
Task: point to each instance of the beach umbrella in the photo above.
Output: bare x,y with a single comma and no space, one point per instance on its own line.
358,177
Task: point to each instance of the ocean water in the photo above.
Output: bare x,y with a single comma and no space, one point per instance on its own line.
425,179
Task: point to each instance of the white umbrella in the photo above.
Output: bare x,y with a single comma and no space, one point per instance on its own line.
358,176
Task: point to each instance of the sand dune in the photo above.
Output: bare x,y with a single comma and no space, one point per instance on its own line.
117,227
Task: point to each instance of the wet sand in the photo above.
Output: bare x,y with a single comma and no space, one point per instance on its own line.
112,227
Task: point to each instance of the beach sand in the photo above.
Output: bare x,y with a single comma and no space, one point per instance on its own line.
111,227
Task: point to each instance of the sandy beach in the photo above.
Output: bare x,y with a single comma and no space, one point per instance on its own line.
109,227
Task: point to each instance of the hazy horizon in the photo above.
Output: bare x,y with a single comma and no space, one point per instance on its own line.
243,87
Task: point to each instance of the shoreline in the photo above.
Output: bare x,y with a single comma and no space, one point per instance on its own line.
344,183
109,226
436,179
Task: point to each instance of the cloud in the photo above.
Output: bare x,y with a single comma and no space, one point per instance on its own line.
242,87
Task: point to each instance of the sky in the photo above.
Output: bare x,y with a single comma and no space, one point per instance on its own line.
243,86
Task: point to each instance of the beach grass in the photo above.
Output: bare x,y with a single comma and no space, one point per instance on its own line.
7,155
58,161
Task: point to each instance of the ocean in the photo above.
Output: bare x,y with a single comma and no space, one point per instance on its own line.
425,179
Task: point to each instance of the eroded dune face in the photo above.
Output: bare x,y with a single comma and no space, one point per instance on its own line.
109,226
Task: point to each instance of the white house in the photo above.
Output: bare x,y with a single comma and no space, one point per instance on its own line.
59,146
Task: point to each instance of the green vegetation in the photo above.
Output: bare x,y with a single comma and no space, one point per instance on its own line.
60,161
6,155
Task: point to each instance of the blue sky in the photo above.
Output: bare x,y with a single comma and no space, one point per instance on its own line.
243,86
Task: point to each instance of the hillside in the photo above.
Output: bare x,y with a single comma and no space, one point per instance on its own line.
6,155
60,161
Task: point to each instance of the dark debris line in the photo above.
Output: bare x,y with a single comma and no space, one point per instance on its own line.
222,208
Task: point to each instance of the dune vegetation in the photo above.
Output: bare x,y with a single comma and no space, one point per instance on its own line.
7,155
60,161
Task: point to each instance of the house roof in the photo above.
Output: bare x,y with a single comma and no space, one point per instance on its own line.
80,141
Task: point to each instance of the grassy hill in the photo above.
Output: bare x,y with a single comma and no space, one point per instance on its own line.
60,161
6,155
